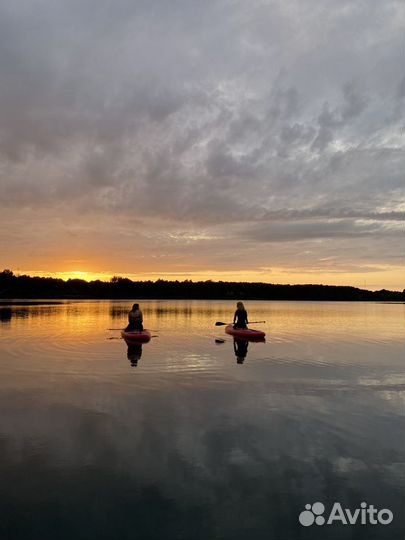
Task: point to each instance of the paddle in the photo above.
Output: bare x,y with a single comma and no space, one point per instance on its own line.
122,338
120,330
219,323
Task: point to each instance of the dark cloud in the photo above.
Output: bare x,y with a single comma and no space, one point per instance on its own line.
306,230
333,212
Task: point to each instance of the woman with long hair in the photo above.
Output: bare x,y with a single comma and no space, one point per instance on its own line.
135,320
240,319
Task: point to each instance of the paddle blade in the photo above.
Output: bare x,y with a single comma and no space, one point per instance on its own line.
219,323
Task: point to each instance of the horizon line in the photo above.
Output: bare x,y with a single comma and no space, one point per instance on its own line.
51,275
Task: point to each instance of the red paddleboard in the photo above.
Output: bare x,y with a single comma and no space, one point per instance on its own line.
245,333
136,337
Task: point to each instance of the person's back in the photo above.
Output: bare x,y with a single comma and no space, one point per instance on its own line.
135,319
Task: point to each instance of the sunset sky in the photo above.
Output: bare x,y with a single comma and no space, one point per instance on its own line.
250,140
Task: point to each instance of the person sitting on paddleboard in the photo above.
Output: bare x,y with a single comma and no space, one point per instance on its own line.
135,320
240,319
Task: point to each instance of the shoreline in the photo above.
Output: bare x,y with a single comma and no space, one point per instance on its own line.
61,301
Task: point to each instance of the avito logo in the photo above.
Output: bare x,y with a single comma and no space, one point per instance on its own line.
366,514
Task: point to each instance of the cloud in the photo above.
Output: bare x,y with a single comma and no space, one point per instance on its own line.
201,114
311,229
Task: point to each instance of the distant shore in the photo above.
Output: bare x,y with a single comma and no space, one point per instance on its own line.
23,302
29,288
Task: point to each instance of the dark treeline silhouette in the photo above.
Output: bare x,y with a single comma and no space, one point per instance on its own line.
14,287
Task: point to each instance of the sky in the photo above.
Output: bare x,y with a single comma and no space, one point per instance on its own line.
249,141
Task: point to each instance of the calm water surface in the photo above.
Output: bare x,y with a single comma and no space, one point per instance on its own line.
183,438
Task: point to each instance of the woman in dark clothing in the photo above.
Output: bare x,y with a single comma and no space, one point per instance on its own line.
135,320
240,319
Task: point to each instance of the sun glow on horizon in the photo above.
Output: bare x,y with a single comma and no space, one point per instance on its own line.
69,274
392,277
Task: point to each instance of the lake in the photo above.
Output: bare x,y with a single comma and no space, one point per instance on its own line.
192,435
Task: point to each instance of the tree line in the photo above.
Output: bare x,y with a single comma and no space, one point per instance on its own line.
22,286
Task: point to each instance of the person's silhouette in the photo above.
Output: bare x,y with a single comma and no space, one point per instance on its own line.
134,353
240,346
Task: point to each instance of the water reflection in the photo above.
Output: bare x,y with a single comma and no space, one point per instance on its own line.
117,312
8,313
185,309
195,446
5,314
134,353
240,347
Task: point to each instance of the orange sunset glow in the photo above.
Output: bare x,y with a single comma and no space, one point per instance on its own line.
391,277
